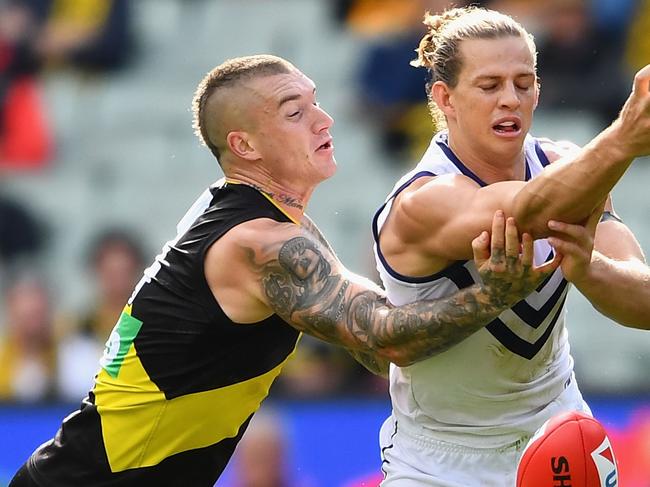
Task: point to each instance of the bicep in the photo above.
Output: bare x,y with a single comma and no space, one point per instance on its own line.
304,283
446,214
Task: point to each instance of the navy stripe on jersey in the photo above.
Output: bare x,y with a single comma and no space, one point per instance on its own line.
540,153
457,162
464,169
545,282
375,231
461,277
533,317
518,345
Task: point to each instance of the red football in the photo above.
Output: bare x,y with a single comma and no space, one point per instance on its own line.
570,450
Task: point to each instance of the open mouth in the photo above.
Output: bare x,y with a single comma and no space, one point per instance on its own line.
508,127
327,145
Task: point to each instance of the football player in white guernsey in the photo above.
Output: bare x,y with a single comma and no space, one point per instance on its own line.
462,417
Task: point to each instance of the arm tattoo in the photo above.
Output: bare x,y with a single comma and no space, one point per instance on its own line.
371,361
308,224
305,285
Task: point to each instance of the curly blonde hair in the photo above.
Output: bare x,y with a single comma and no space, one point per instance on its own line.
439,49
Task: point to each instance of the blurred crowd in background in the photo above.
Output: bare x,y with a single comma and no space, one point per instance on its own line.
50,342
98,162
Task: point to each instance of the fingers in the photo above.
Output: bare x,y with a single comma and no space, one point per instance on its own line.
498,226
512,240
568,230
527,249
642,81
594,218
579,232
481,248
549,267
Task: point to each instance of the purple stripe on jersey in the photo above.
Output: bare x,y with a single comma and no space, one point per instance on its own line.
464,169
518,345
534,318
375,233
457,162
540,153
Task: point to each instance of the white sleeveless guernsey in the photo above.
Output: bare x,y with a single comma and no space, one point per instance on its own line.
505,380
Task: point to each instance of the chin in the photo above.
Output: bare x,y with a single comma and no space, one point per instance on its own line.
330,169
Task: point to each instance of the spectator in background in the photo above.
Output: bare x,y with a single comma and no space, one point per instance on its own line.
88,35
25,136
21,234
261,458
391,92
117,260
580,68
91,35
27,352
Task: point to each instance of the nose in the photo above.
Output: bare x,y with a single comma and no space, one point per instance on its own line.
323,120
509,97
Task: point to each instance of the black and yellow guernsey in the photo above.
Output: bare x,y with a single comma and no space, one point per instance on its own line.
179,381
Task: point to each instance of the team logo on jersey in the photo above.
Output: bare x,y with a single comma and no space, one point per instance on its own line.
605,462
119,342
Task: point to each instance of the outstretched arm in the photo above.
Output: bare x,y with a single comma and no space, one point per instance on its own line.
305,284
370,360
572,188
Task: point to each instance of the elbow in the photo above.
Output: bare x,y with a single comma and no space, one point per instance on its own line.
530,214
396,355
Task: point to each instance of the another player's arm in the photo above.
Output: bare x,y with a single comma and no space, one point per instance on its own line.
304,283
614,277
370,360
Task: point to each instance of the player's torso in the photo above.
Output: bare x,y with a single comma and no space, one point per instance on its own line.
490,388
179,380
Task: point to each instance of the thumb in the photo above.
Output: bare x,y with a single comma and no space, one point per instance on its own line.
642,81
594,218
481,248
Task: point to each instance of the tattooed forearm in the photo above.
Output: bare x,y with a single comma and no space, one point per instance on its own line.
371,361
304,284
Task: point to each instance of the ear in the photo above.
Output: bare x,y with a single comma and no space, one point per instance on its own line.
441,95
240,145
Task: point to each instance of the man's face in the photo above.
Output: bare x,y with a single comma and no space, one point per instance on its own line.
495,97
291,131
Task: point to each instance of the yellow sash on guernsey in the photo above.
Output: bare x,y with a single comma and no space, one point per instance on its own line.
140,427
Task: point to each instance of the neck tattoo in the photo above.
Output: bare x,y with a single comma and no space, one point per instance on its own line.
283,198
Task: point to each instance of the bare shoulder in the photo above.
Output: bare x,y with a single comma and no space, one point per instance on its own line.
231,266
429,203
414,239
556,150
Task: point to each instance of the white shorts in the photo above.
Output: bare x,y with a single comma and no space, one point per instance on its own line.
414,460
418,461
